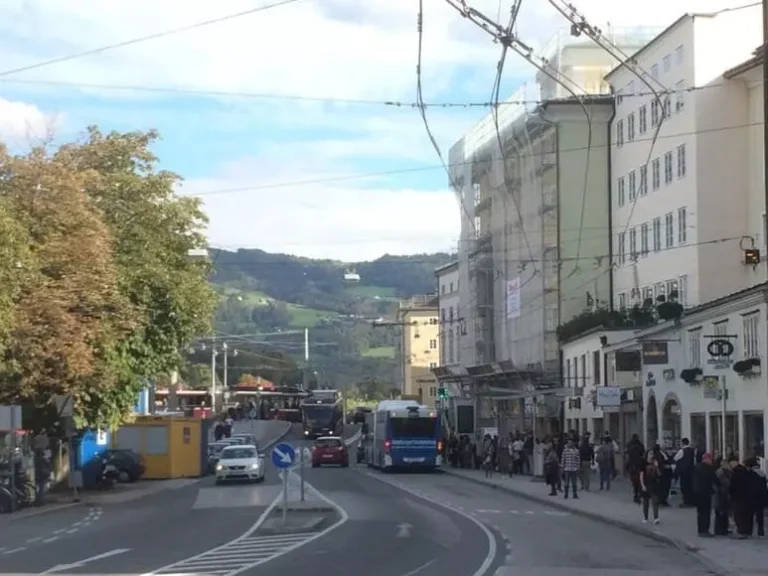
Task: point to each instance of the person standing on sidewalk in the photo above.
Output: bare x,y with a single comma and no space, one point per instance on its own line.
587,458
759,492
636,462
684,465
722,497
742,499
605,462
551,467
649,479
704,484
571,464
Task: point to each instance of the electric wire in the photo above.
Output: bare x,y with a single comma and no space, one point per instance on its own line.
417,169
423,113
148,37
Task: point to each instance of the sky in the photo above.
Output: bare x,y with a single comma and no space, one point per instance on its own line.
278,118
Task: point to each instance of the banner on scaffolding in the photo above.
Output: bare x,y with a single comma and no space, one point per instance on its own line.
513,298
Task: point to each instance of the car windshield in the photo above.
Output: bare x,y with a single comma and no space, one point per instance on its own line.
237,453
328,443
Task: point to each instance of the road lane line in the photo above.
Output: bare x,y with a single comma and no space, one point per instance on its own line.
485,567
83,562
281,544
420,568
14,550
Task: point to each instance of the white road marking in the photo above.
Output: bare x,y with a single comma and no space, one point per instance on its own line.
51,539
35,539
488,511
81,563
485,567
420,568
14,550
247,551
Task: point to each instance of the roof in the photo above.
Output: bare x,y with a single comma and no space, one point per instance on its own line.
753,62
588,99
667,30
446,267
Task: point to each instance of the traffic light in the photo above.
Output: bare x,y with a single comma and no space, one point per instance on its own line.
442,393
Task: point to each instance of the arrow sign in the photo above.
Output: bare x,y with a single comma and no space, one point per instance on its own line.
283,456
404,530
81,563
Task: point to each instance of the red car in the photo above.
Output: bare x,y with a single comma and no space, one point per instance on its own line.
330,450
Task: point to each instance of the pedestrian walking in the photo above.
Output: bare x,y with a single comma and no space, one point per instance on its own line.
571,465
650,481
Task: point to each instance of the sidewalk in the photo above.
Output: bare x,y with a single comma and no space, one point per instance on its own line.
677,528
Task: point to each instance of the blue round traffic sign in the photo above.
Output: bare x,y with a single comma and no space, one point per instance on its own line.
283,456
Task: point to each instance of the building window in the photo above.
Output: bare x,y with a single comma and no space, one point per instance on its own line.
596,372
568,373
642,119
682,290
668,168
654,113
450,315
583,370
631,127
432,365
667,61
632,186
450,346
656,234
682,226
620,133
433,391
644,239
658,290
621,248
442,289
633,243
643,180
619,97
458,344
477,193
655,71
750,327
679,55
478,224
623,301
433,344
673,292
669,230
667,106
647,294
443,315
621,193
694,348
656,173
679,96
451,290
681,161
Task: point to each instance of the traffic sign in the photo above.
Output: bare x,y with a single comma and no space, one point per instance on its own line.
283,456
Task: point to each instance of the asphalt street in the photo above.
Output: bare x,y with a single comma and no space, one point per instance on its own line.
388,533
541,540
138,536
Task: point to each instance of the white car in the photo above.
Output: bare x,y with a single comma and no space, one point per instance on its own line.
240,463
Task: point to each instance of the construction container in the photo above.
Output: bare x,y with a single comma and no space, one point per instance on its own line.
171,447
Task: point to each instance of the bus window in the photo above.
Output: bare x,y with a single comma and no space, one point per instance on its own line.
413,427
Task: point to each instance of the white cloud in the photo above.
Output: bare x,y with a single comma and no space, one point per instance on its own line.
23,124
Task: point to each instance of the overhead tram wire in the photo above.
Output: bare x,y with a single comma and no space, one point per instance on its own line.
495,95
147,38
423,113
416,169
595,34
526,52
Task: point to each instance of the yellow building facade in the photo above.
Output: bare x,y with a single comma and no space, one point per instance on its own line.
418,349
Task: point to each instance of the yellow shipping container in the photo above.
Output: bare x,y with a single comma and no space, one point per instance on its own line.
171,447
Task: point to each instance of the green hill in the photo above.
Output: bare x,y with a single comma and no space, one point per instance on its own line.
263,293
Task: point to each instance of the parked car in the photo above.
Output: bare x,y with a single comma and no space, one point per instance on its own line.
329,450
130,465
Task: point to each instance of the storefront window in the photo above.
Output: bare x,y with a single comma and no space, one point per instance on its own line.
671,426
754,435
699,431
731,434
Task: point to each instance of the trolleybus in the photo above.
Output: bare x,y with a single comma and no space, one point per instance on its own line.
402,434
322,413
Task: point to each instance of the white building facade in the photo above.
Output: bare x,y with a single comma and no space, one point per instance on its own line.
678,199
718,402
451,321
586,368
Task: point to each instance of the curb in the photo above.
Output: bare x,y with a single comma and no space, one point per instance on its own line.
679,544
277,439
49,509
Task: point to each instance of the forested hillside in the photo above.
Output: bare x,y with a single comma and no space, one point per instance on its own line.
280,295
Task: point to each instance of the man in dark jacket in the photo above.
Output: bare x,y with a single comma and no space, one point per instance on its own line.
635,464
704,481
684,466
587,458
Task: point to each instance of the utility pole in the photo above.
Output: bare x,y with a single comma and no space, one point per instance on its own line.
306,359
213,377
224,348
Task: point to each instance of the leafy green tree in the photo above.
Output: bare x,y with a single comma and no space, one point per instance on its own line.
153,232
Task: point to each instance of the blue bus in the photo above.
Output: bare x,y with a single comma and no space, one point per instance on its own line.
402,434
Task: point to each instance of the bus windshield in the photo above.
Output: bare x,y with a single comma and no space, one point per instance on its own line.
313,413
413,427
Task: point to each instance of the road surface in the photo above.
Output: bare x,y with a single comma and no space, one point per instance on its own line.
543,541
137,536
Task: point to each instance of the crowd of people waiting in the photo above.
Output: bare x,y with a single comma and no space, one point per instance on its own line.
723,487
